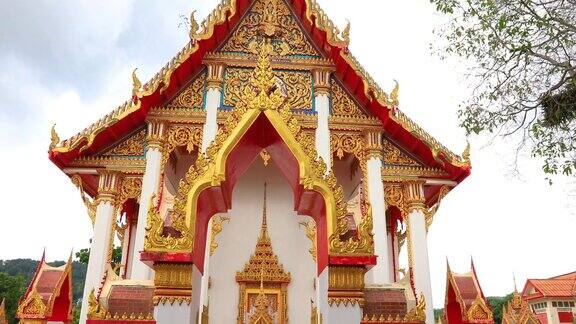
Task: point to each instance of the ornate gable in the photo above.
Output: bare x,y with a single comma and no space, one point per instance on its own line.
298,85
342,103
274,20
192,96
132,145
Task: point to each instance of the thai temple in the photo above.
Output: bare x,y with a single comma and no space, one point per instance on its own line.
261,176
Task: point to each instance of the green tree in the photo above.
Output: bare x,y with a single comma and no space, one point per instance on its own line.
522,56
497,305
12,288
84,255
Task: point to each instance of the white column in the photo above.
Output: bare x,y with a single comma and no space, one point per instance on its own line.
418,246
150,183
322,295
391,261
322,106
100,247
380,273
212,103
196,304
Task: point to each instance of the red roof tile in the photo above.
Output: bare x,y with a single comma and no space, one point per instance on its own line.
555,287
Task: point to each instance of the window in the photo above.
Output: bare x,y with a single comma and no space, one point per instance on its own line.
571,304
554,304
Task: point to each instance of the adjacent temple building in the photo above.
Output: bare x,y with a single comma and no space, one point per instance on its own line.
266,95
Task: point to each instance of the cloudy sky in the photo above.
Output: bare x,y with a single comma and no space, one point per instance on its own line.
69,62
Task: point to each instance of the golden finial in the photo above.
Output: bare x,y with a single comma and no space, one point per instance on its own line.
466,153
346,32
136,84
54,138
194,27
394,94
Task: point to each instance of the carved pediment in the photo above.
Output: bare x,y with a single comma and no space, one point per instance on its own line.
192,96
297,84
133,145
270,19
342,103
394,156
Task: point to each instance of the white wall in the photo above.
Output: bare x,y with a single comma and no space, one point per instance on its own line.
238,240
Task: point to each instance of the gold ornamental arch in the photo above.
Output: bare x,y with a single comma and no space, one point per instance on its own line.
260,99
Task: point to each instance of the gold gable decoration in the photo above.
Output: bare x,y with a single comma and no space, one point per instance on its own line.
131,146
342,103
479,310
297,84
271,19
192,97
394,156
32,307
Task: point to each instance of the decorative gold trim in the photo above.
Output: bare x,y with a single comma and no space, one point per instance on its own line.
217,224
32,307
89,203
181,135
346,285
310,230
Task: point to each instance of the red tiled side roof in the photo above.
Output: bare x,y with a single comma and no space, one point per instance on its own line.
467,288
554,287
571,275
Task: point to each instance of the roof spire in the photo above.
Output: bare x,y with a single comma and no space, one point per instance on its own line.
264,227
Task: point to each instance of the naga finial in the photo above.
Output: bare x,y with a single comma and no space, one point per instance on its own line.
136,84
194,27
394,94
54,138
466,153
346,32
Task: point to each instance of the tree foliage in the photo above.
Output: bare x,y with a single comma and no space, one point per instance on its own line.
497,305
11,289
523,68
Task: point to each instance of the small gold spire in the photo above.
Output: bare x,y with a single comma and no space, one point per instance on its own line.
264,228
54,138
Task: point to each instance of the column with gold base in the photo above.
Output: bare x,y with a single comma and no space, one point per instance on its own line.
100,247
417,244
212,103
380,273
150,184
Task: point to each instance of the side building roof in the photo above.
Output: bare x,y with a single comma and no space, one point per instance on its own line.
49,294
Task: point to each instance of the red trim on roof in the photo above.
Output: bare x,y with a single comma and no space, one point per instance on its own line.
189,67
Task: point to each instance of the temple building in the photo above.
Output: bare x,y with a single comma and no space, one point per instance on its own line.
48,298
517,311
553,299
265,94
